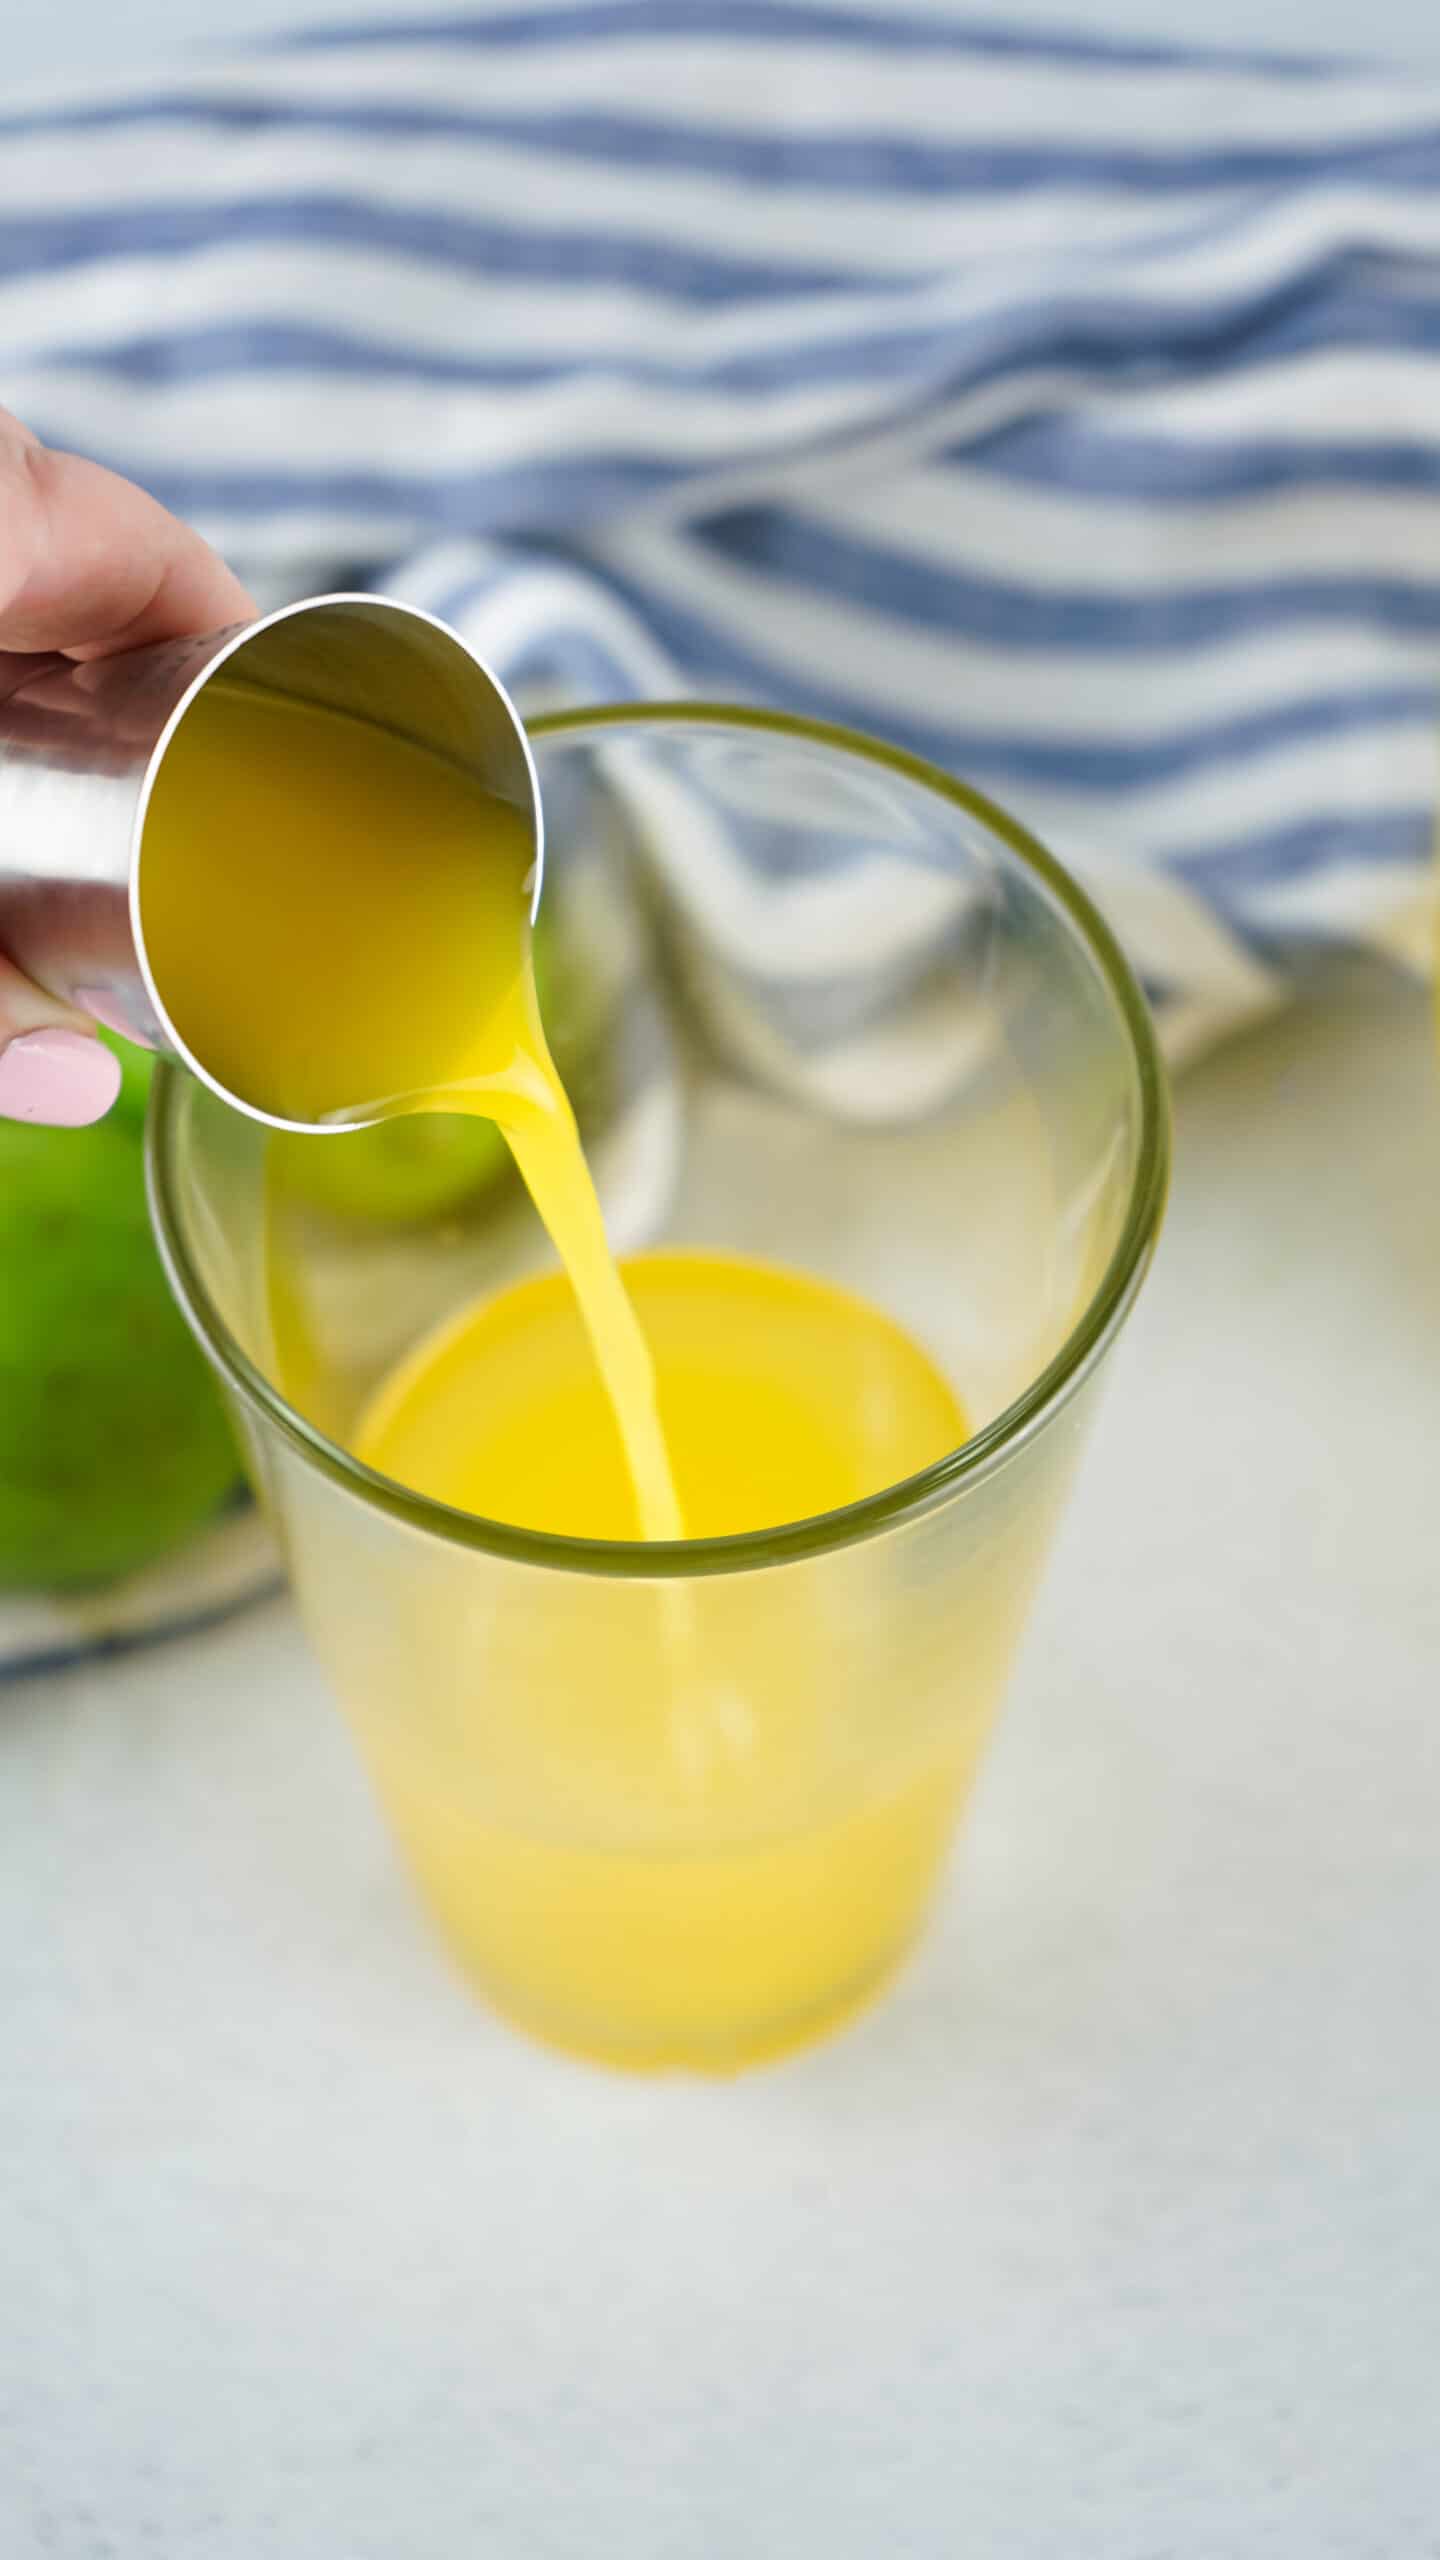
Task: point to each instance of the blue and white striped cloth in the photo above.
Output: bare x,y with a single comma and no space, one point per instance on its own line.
1066,411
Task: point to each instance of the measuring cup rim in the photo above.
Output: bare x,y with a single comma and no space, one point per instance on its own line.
234,645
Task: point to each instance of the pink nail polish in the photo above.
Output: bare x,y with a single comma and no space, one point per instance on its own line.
63,1078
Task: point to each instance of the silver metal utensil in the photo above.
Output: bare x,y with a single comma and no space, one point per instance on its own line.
81,747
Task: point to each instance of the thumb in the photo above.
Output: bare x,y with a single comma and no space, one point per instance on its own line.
52,1067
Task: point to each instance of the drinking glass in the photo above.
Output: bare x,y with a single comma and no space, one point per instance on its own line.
686,1805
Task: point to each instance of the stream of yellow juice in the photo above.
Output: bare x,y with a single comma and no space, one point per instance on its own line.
402,980
677,1859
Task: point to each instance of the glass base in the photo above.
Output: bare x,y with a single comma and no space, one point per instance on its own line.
675,1961
769,2040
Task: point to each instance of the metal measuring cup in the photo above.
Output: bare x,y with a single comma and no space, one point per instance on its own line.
81,747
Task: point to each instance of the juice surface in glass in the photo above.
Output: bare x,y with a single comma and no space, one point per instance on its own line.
704,1395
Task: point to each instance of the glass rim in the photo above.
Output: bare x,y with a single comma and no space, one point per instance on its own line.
973,1461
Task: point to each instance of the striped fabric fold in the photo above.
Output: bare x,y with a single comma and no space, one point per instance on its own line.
1066,411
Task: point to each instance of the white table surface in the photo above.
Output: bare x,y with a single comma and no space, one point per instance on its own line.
1114,2234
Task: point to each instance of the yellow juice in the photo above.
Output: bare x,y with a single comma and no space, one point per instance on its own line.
780,1397
657,1835
802,1866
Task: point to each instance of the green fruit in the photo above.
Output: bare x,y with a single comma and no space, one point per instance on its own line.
398,1173
113,1442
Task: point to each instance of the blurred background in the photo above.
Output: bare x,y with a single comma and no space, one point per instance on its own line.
93,38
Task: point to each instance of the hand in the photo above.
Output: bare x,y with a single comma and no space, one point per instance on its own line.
88,565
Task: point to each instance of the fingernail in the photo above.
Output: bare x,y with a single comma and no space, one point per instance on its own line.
63,1078
103,1007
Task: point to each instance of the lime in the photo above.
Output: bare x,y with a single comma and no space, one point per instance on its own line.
113,1442
397,1173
